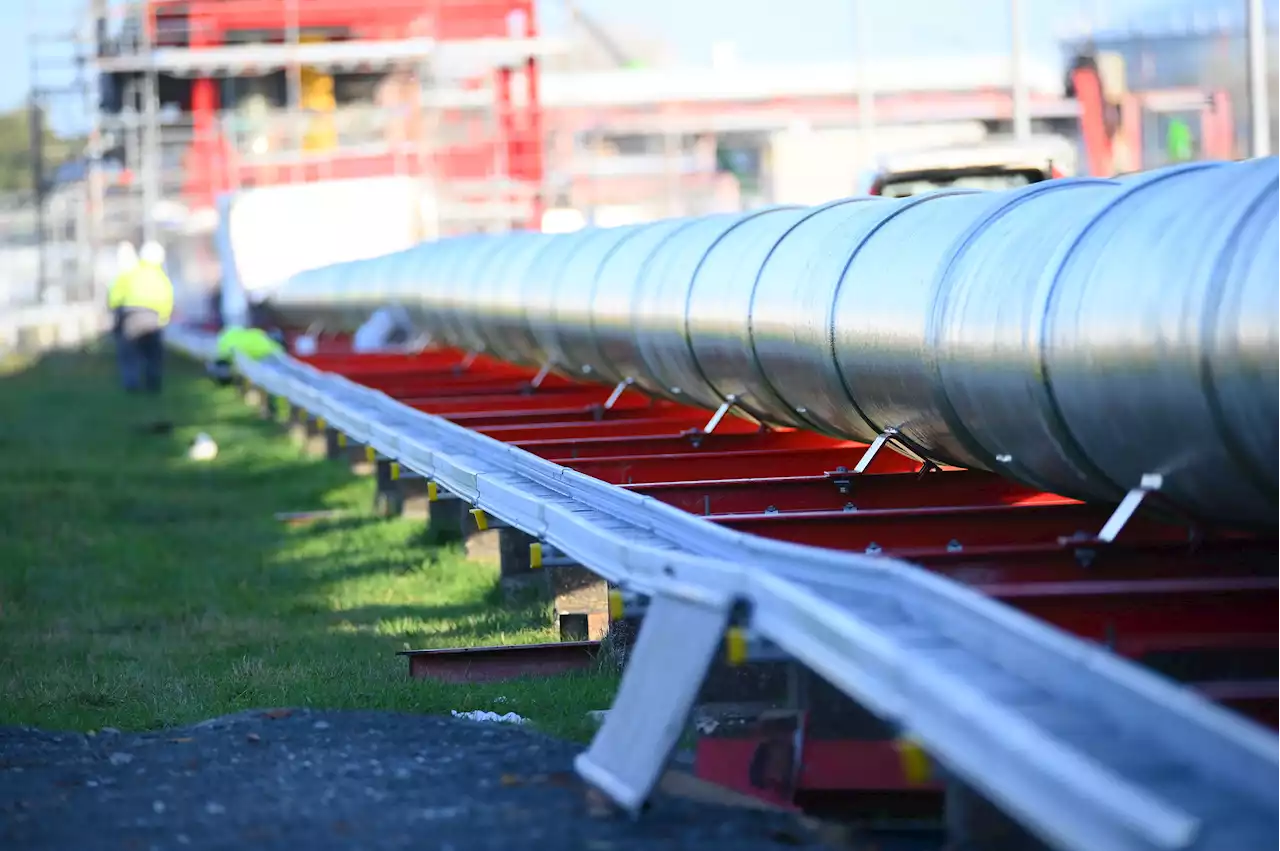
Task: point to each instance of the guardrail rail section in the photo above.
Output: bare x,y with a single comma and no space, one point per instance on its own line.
1088,750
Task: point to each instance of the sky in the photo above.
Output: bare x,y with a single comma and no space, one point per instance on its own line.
761,31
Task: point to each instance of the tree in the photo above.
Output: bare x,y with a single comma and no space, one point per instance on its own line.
15,150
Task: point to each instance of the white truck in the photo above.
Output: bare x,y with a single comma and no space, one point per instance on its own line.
993,164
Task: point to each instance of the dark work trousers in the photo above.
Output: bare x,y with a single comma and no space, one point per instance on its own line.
141,350
124,354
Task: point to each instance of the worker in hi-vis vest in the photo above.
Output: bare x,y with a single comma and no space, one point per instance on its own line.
142,299
253,343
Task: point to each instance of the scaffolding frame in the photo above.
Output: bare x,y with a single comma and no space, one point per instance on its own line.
206,42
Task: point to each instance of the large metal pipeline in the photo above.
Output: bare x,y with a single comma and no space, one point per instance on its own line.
1075,334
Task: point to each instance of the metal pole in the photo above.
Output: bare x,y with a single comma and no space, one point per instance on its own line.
150,133
1259,103
94,179
293,105
1017,62
38,186
866,93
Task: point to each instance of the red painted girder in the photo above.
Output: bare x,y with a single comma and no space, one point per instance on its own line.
552,409
991,563
524,399
840,764
353,365
605,447
1053,563
766,463
896,529
411,391
409,386
1254,699
834,491
1142,646
553,416
1112,611
672,425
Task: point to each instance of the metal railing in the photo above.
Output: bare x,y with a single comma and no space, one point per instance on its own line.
1087,750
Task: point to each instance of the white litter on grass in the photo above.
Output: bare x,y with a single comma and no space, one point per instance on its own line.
481,715
203,448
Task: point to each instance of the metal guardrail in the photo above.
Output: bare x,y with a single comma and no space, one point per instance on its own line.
1089,751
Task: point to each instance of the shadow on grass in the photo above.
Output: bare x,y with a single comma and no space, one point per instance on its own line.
139,588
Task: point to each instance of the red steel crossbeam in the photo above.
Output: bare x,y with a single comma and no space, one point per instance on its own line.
1160,592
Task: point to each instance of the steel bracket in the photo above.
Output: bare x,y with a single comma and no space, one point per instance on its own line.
618,390
1150,483
537,380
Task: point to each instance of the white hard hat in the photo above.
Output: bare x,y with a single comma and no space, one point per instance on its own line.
126,255
152,252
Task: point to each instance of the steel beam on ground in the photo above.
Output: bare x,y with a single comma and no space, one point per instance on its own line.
672,425
353,366
551,412
1034,562
947,527
1109,610
449,402
692,444
626,468
833,490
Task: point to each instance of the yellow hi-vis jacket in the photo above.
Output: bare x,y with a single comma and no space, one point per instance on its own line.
146,287
251,342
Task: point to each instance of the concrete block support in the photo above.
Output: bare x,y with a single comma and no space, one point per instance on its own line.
581,603
297,426
396,496
449,519
314,444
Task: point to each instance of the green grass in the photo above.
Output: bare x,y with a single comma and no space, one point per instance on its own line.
139,589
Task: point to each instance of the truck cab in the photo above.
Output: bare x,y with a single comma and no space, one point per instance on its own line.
991,165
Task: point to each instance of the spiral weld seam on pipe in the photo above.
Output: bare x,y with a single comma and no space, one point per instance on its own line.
568,301
721,320
1070,468
615,293
660,311
990,329
1200,474
1019,250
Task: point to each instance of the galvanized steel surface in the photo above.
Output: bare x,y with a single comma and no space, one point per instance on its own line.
1074,334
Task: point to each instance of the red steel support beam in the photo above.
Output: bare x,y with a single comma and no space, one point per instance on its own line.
766,463
1198,604
834,491
942,527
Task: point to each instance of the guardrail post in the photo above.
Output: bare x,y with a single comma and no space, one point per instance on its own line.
333,448
358,459
448,519
672,653
515,568
397,496
298,431
267,406
975,823
315,444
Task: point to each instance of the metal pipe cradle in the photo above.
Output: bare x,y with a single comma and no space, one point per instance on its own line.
1075,334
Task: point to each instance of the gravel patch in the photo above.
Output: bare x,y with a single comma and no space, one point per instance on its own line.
306,780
